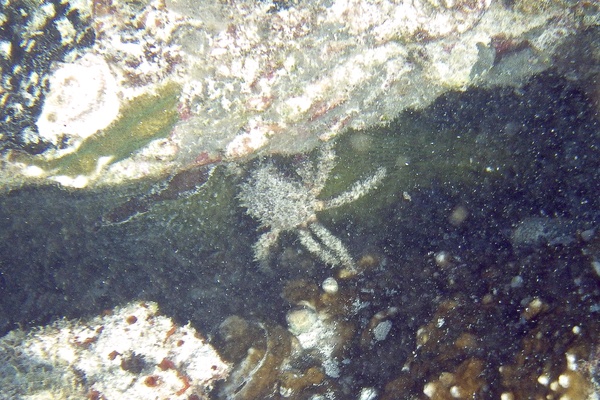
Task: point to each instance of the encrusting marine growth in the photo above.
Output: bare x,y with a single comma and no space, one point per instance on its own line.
285,204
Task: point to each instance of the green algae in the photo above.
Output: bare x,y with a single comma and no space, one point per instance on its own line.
417,152
142,120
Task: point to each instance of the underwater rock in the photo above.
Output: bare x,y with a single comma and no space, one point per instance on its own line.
145,120
82,100
262,78
539,231
132,352
33,36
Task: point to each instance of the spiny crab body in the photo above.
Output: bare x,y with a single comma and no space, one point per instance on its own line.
282,203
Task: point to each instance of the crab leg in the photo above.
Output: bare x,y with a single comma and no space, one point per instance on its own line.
333,245
263,245
316,248
357,190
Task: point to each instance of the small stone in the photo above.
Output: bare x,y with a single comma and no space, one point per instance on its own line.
330,286
301,320
382,329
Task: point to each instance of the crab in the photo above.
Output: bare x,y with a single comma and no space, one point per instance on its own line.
282,203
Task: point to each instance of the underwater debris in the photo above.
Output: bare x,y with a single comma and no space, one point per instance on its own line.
269,350
284,204
270,361
181,184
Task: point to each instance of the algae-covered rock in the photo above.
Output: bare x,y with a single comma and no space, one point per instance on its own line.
258,78
144,119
